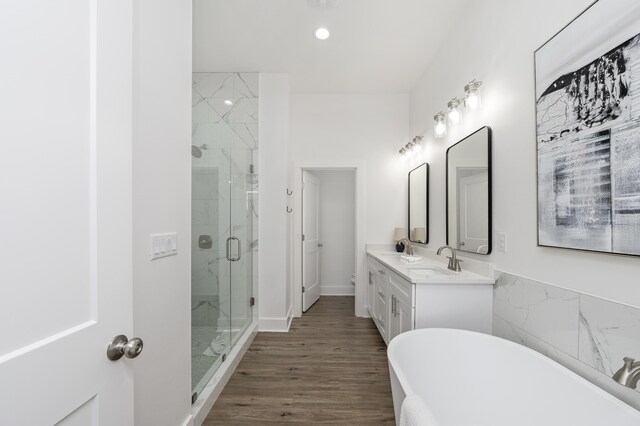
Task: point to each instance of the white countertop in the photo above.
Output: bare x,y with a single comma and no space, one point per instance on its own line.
440,275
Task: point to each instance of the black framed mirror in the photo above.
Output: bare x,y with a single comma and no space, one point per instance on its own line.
418,228
469,193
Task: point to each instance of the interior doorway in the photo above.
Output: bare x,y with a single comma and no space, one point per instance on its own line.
328,249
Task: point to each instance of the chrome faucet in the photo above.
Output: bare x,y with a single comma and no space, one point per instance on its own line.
629,374
408,248
454,262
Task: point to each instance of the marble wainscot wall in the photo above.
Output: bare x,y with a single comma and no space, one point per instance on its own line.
586,334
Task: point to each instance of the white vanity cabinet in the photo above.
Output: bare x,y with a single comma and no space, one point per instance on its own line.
377,297
389,300
397,304
401,309
371,285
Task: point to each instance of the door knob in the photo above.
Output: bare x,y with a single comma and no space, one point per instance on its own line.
120,346
320,245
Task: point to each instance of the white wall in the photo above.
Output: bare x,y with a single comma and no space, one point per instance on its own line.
337,214
355,130
345,129
161,203
494,41
273,172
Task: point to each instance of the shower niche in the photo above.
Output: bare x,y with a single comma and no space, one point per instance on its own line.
224,217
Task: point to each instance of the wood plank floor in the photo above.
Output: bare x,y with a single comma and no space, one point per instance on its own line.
331,368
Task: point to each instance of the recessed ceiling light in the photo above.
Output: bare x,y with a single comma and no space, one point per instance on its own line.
228,102
322,33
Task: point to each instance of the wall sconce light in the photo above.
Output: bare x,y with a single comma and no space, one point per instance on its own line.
472,95
417,144
412,148
455,111
453,117
439,125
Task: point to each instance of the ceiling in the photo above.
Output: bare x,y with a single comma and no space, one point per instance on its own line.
376,46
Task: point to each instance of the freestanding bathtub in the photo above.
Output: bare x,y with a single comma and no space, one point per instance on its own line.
474,379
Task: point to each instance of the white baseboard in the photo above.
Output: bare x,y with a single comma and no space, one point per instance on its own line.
189,421
337,290
273,325
289,317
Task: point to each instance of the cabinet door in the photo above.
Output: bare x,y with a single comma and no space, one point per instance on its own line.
381,307
371,291
400,319
403,316
394,323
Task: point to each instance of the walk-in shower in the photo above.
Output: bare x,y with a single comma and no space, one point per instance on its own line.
224,216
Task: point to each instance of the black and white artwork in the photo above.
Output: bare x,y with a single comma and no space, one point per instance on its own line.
588,131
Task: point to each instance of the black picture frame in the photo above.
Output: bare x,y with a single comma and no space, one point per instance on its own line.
566,229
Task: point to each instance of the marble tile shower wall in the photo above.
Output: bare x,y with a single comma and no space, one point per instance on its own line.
225,128
586,334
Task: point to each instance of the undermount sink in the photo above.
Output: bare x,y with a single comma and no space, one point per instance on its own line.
428,272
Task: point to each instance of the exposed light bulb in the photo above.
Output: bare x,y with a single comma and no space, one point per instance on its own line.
409,148
403,154
472,95
454,115
472,101
440,126
416,144
228,102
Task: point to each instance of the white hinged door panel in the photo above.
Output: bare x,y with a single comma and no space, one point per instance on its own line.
66,185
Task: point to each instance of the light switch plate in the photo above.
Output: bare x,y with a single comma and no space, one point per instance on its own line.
163,245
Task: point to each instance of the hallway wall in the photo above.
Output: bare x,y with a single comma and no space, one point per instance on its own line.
161,203
363,130
273,299
337,213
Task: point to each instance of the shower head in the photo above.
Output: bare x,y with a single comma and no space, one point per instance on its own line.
196,151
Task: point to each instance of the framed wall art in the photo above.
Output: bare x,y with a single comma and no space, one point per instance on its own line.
588,131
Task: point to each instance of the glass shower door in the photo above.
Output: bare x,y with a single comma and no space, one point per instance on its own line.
244,200
224,216
212,138
244,239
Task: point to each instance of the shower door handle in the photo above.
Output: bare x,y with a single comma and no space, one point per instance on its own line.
228,249
234,259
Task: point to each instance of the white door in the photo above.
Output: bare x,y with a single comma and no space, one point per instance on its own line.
310,242
65,214
474,212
